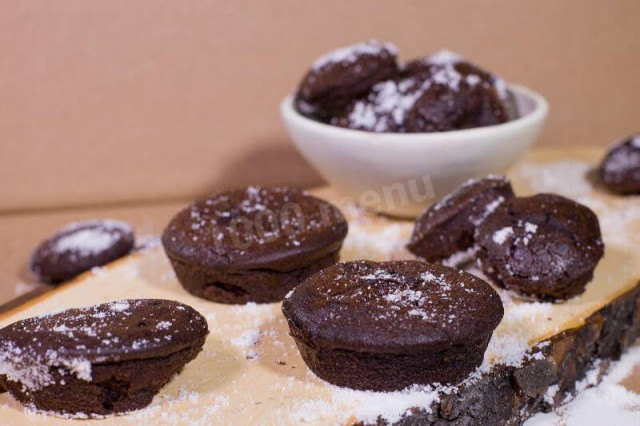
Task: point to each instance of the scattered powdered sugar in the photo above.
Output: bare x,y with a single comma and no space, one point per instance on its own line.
389,101
369,407
447,76
119,306
87,241
148,242
349,54
23,288
635,141
32,369
530,230
568,178
616,218
254,314
468,183
621,160
164,325
473,80
407,295
501,87
235,221
389,240
247,339
461,257
608,403
432,296
511,344
550,394
444,57
90,237
488,210
501,235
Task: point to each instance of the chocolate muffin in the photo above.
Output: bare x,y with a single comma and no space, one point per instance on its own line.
385,326
100,360
620,169
342,75
438,93
544,247
80,246
456,95
253,244
447,227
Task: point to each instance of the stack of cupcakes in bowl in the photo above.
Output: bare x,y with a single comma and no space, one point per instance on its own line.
395,137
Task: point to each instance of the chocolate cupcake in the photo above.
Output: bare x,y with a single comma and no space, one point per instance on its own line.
447,227
438,93
78,247
456,95
104,359
253,244
544,247
342,75
620,169
385,326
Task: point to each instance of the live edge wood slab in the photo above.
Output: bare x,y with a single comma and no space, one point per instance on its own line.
251,372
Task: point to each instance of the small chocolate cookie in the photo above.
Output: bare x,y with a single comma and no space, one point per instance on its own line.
545,246
100,360
342,75
620,169
456,95
448,227
385,326
80,246
253,244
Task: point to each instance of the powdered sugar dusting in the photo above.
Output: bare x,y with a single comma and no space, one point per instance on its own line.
349,54
501,235
386,106
89,241
568,178
621,160
32,369
444,57
90,237
608,403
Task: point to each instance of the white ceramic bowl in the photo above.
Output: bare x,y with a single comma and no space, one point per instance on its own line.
402,173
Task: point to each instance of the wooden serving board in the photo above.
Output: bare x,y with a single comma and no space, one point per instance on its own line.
250,370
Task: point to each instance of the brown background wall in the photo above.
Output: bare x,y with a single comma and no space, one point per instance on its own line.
109,101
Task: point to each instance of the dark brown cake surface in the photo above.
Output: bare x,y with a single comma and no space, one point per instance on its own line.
448,226
545,246
253,244
455,95
79,247
620,169
388,325
101,359
277,228
342,75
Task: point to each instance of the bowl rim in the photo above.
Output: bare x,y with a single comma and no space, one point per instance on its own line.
538,113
